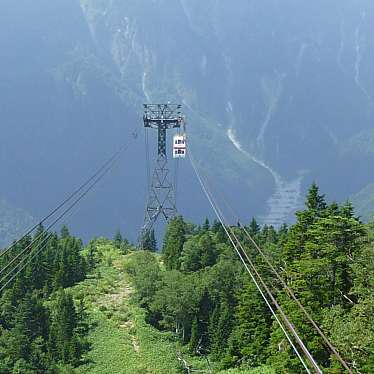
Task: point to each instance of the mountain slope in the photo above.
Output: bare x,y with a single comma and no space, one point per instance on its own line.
121,341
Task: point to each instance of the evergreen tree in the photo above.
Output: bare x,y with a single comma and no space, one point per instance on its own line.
65,232
352,333
252,328
318,256
63,342
205,309
118,239
315,201
149,242
206,225
26,336
220,329
62,272
254,228
175,238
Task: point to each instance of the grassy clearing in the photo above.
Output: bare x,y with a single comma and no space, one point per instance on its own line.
121,341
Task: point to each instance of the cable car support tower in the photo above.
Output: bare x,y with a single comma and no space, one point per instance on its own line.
161,199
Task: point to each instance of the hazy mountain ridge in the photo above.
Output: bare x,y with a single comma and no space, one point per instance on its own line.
287,84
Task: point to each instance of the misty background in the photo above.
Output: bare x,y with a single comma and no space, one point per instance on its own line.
277,94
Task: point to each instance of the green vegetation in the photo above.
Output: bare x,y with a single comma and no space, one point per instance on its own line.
121,341
202,294
109,308
41,331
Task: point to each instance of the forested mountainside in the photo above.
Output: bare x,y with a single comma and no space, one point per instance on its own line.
276,95
109,308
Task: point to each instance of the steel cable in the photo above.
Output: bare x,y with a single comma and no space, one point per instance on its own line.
64,202
104,170
212,203
286,287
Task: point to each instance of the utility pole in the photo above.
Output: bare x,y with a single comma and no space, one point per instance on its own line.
161,199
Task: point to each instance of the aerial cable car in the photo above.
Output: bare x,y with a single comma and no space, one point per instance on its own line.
180,141
179,146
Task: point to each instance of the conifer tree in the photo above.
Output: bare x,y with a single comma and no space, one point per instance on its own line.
219,230
315,201
175,238
118,239
65,232
62,339
206,225
149,242
318,257
220,329
252,327
254,228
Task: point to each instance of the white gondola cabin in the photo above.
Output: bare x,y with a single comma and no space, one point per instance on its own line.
179,146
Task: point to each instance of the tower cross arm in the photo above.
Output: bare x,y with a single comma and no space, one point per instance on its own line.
168,123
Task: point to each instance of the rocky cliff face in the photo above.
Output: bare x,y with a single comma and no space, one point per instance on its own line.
277,94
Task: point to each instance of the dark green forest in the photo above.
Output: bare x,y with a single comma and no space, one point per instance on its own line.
201,292
41,330
197,290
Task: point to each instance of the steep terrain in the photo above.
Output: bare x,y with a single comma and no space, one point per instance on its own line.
276,94
121,342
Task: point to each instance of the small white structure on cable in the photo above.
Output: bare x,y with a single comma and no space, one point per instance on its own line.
179,146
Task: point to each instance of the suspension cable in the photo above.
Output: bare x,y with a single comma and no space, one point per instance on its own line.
286,287
27,258
95,181
30,256
64,202
214,207
61,216
278,307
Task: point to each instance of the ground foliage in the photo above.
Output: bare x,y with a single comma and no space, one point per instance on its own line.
200,291
195,298
41,329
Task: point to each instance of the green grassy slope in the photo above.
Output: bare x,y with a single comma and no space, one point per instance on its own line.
121,341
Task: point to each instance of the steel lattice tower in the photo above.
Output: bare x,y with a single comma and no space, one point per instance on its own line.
161,199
